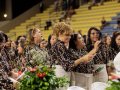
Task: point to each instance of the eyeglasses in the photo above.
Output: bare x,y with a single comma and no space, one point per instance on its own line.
94,33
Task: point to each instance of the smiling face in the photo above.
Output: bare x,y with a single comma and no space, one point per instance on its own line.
118,40
80,42
108,40
53,40
94,36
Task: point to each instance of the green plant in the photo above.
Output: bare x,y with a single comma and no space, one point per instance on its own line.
42,78
114,85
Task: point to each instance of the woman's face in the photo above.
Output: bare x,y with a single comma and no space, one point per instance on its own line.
53,40
22,39
13,44
37,36
94,36
108,40
20,49
42,44
66,38
80,42
118,40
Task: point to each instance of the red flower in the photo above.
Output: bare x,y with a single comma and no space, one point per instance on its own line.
19,72
44,74
41,75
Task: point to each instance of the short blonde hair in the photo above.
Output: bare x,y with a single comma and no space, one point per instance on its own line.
61,28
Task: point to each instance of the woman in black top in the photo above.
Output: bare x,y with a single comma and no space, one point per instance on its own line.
93,35
60,54
84,70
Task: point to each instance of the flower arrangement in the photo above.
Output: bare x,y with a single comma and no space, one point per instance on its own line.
41,78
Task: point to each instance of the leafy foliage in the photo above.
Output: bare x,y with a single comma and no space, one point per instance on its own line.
42,78
114,85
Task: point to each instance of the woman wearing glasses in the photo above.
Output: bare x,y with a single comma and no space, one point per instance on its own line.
100,60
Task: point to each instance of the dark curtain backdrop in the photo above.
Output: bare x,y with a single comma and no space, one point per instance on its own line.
2,9
20,6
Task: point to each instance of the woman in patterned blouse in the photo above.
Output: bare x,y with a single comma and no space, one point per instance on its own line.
94,35
115,44
60,55
112,51
83,70
37,55
5,63
78,49
100,60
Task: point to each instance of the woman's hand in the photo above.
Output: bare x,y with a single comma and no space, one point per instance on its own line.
87,58
96,45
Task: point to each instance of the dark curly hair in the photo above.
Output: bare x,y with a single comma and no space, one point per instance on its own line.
3,37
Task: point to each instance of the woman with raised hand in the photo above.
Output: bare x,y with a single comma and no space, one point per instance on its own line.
60,55
84,71
59,51
100,59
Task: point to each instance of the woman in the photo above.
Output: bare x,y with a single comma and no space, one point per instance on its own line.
60,55
5,63
93,35
38,55
84,71
43,44
100,60
20,39
115,44
113,51
51,41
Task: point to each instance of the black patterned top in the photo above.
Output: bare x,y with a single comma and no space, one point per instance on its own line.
60,55
5,60
104,55
82,67
6,65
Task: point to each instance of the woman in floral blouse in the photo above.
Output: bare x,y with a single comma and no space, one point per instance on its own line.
84,71
6,63
100,60
59,53
37,55
112,51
